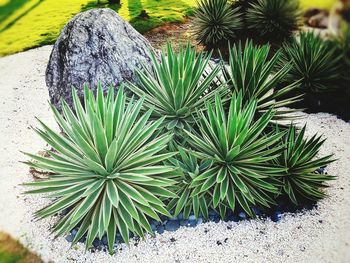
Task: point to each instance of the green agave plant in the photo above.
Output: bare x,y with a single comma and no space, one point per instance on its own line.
240,153
274,20
315,63
216,22
191,167
300,181
105,168
251,72
177,89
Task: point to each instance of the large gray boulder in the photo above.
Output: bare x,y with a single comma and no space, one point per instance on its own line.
96,46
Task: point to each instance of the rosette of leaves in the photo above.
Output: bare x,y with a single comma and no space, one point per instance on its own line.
191,167
176,88
252,73
240,153
315,63
105,168
300,180
273,20
216,22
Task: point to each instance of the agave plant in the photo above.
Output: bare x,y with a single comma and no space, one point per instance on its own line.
106,168
300,180
216,21
186,203
273,19
176,89
252,74
240,153
315,63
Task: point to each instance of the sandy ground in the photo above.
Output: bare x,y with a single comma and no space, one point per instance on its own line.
320,235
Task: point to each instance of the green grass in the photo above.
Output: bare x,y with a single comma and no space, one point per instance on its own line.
13,252
325,4
26,24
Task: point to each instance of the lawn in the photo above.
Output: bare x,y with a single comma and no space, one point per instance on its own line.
29,23
326,4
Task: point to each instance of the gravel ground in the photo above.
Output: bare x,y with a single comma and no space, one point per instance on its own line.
319,235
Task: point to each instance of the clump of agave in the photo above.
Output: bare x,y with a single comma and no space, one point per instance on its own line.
116,165
216,22
176,89
239,150
273,20
315,63
106,168
301,180
253,74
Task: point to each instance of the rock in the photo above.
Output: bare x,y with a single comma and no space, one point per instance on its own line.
276,216
192,223
172,225
69,238
242,215
96,46
160,229
319,21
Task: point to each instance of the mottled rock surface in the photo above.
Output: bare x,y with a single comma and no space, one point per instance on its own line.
95,46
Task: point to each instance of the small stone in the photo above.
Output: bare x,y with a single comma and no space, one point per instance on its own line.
192,217
276,216
105,240
183,222
192,223
69,238
242,215
172,226
160,229
74,232
153,226
180,216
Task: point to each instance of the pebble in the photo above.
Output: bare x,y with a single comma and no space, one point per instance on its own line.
172,225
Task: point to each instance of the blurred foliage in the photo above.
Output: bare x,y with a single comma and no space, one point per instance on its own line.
11,251
26,24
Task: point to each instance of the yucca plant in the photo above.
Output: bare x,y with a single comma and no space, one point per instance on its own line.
176,89
191,167
216,22
251,72
240,153
315,63
300,180
273,20
106,168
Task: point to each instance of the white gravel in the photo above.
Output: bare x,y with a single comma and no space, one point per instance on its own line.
320,235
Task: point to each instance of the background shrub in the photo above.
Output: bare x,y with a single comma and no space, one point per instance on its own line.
273,20
315,62
216,22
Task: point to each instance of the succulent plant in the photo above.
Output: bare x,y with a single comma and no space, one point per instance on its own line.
315,63
251,72
240,153
106,168
191,167
273,20
216,22
176,89
301,181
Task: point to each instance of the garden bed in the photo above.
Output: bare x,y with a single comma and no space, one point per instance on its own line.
320,234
